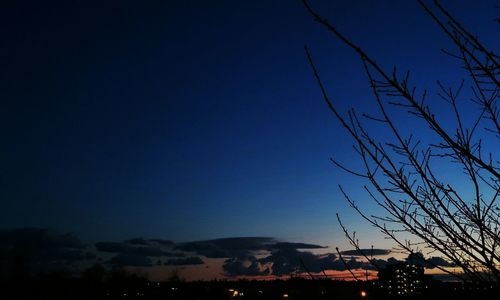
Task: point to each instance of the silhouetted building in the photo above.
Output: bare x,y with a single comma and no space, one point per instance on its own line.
402,279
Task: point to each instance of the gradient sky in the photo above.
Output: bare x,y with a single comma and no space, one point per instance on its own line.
191,120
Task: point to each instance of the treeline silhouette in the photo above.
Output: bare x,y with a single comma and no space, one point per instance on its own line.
97,282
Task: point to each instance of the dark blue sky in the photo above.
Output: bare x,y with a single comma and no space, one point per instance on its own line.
193,119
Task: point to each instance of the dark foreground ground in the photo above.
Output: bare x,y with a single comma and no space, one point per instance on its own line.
131,287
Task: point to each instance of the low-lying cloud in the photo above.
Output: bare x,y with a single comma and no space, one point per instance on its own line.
133,249
193,260
366,252
243,256
239,247
131,260
36,249
250,267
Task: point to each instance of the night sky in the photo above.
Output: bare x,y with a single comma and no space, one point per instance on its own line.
195,120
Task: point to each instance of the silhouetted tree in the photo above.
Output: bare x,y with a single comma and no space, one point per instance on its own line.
175,276
93,281
403,171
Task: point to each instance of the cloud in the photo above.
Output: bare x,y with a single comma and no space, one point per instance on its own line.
139,252
227,244
45,249
130,260
39,237
42,245
367,252
242,243
227,247
113,247
135,249
204,248
193,260
236,267
137,241
382,263
285,245
286,261
239,247
239,251
392,260
419,259
162,242
432,262
34,249
439,261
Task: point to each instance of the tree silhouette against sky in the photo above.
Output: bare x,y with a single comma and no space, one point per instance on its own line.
408,170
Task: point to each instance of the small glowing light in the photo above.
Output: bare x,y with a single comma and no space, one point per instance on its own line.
235,293
285,295
363,294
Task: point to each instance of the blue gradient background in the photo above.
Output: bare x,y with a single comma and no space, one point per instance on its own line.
195,120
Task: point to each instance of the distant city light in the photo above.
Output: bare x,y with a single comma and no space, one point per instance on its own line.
363,294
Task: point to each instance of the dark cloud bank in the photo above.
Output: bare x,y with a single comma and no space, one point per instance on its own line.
43,249
40,250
